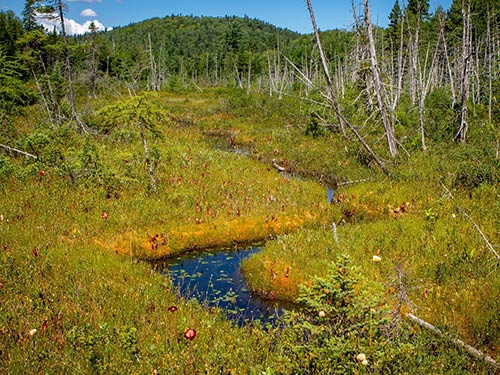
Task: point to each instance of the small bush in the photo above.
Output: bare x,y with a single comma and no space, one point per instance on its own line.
472,175
6,168
340,328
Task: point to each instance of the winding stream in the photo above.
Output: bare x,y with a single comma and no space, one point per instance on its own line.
214,278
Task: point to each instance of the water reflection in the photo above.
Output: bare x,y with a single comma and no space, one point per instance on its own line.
215,279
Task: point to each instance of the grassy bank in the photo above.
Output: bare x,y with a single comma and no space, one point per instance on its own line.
76,220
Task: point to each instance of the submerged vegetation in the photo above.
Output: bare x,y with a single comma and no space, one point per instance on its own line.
144,158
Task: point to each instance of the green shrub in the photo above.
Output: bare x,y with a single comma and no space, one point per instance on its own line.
340,328
471,175
6,168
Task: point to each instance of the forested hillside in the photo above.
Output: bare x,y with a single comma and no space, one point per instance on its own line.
364,162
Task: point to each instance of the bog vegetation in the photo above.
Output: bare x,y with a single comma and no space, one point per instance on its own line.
187,133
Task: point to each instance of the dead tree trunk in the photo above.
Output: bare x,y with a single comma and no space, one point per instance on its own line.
388,126
332,98
447,57
71,91
44,100
324,63
154,71
466,56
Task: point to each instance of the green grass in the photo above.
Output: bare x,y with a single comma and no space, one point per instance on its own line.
92,214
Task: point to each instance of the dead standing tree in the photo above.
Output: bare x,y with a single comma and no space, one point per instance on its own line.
388,125
466,57
59,7
54,10
332,98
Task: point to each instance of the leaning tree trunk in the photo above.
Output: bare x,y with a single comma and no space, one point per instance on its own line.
71,91
332,98
324,63
388,126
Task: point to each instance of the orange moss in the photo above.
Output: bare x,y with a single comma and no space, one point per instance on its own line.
218,233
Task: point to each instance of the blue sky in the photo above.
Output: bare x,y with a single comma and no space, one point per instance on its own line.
291,14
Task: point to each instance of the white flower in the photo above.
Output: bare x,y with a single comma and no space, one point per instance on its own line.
361,357
365,362
453,215
321,314
33,331
376,258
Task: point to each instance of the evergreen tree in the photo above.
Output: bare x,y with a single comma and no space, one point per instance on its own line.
29,15
419,8
11,29
394,22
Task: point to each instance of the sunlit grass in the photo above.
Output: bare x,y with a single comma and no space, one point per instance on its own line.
98,311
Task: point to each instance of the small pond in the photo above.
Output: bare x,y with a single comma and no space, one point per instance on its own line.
214,278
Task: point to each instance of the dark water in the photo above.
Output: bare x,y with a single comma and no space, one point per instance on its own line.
330,194
215,279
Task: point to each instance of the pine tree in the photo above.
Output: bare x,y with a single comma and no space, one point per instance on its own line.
11,29
419,8
29,15
394,22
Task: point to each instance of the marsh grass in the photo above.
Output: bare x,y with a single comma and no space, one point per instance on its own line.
96,311
103,313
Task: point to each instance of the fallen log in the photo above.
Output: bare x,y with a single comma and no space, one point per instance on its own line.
278,167
469,349
8,148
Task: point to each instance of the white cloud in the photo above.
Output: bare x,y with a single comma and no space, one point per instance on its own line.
88,13
72,27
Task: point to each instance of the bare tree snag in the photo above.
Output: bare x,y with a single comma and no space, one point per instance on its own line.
466,56
324,64
447,57
74,115
154,71
388,126
332,98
